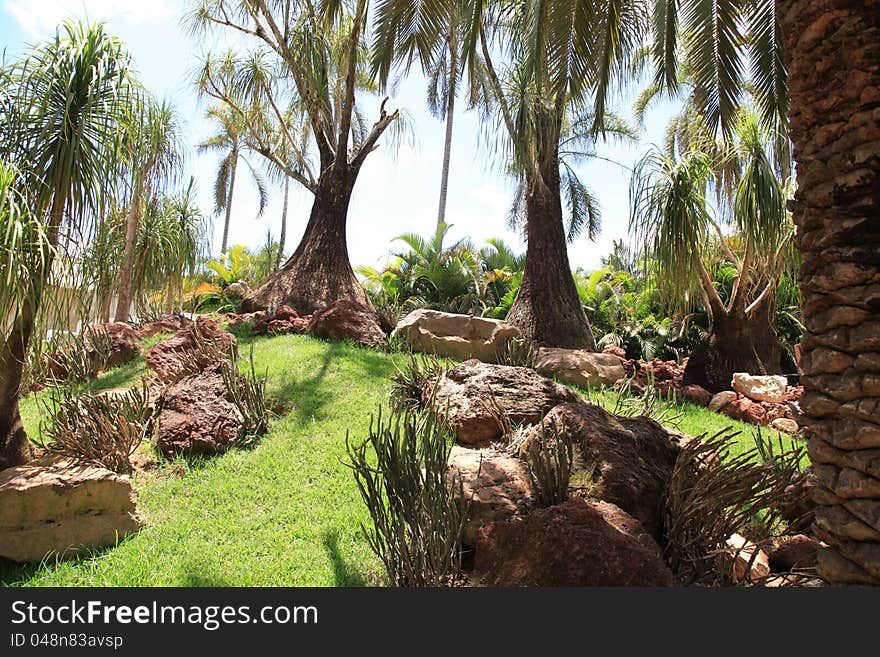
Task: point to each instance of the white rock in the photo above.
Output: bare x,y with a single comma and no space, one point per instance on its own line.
760,388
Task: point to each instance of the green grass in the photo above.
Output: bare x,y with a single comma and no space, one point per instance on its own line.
285,513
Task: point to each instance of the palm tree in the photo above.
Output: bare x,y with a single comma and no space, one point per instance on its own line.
815,62
559,60
68,102
156,162
187,229
230,141
672,219
301,82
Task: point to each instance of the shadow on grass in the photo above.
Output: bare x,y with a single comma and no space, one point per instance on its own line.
343,574
13,573
308,397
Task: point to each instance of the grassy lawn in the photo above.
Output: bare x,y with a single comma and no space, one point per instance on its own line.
286,513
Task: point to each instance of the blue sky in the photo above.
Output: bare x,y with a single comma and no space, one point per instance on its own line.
395,193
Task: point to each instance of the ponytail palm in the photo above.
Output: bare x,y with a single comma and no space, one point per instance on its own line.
65,107
672,218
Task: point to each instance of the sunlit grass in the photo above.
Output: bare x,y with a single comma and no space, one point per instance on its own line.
286,513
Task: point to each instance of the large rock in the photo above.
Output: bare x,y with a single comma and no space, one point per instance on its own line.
459,337
190,350
496,486
760,388
348,320
166,324
198,417
579,367
54,508
625,461
479,398
695,395
746,410
122,342
577,543
721,399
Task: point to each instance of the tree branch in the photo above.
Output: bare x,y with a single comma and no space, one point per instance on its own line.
379,127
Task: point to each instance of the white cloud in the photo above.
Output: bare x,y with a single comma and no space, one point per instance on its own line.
40,17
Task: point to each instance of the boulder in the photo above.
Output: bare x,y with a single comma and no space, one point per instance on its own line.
348,320
747,562
721,399
579,367
55,508
190,350
625,461
696,395
459,337
478,399
235,319
760,388
576,543
166,324
746,410
121,340
798,551
497,486
785,425
665,375
197,416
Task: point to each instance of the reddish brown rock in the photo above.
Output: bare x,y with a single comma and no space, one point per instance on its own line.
495,485
347,320
197,416
577,543
616,351
479,399
121,340
696,395
791,552
746,410
55,508
625,461
286,313
165,324
190,350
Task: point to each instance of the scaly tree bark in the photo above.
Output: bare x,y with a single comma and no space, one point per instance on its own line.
833,56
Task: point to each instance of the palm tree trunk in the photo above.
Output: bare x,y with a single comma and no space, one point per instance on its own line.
547,309
232,170
833,49
319,272
447,149
283,237
126,272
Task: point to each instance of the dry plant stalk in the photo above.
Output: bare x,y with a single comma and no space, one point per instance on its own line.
98,428
713,495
